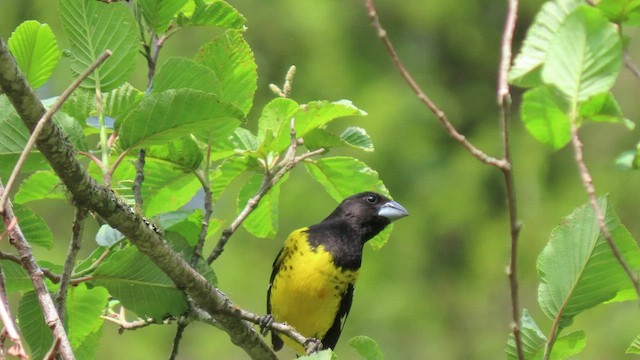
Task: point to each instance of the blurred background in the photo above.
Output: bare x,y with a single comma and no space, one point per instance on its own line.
438,289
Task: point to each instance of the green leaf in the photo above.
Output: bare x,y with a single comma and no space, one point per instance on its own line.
231,58
225,173
263,221
569,345
604,108
634,348
34,228
577,268
367,347
544,114
39,186
211,13
16,278
315,115
159,13
32,325
533,339
167,187
344,176
84,307
140,285
180,73
72,130
80,105
525,71
275,120
618,11
173,114
352,136
320,355
119,102
183,154
90,345
584,57
93,27
13,138
108,236
187,223
36,51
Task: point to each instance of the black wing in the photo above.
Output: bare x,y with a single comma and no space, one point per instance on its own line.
276,342
331,337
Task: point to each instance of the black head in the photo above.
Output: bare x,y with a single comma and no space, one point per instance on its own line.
368,213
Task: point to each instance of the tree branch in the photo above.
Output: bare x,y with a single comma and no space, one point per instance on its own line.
51,318
504,103
86,192
442,117
70,261
10,328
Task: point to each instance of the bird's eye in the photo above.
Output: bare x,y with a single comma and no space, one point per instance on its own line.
371,199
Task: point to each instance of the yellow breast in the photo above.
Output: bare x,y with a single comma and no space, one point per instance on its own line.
307,290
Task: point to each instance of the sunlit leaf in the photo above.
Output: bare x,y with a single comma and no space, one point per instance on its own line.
179,73
39,186
544,114
263,221
84,307
367,347
34,228
211,13
36,51
32,326
159,13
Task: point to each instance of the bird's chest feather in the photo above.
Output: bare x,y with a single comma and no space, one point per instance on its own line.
309,288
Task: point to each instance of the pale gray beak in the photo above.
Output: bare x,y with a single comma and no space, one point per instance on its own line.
393,211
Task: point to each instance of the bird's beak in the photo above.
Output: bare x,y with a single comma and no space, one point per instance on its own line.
392,211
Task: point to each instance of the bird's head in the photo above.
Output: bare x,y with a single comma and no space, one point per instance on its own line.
369,213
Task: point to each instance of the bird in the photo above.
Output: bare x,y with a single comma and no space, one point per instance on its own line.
313,277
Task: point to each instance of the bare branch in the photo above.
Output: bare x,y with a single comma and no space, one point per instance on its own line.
176,340
628,62
44,120
453,132
10,327
137,182
70,261
587,182
16,238
47,273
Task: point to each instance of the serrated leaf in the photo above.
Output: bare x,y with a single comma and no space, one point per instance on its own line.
183,153
314,115
263,221
525,71
352,136
180,73
39,186
544,114
211,13
84,307
225,173
139,285
577,268
243,139
158,14
568,345
119,102
344,176
275,119
13,138
36,51
367,347
358,138
93,27
16,278
584,56
634,348
80,105
604,108
231,58
32,325
533,339
34,228
72,130
173,114
166,187
88,348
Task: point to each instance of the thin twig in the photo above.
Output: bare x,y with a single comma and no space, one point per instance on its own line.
137,182
442,117
628,62
43,121
269,180
203,177
70,261
28,262
504,103
175,348
587,182
7,320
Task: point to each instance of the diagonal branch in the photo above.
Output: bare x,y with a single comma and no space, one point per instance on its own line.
70,261
51,318
442,117
10,328
86,192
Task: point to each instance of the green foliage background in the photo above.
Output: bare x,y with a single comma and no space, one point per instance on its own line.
438,289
